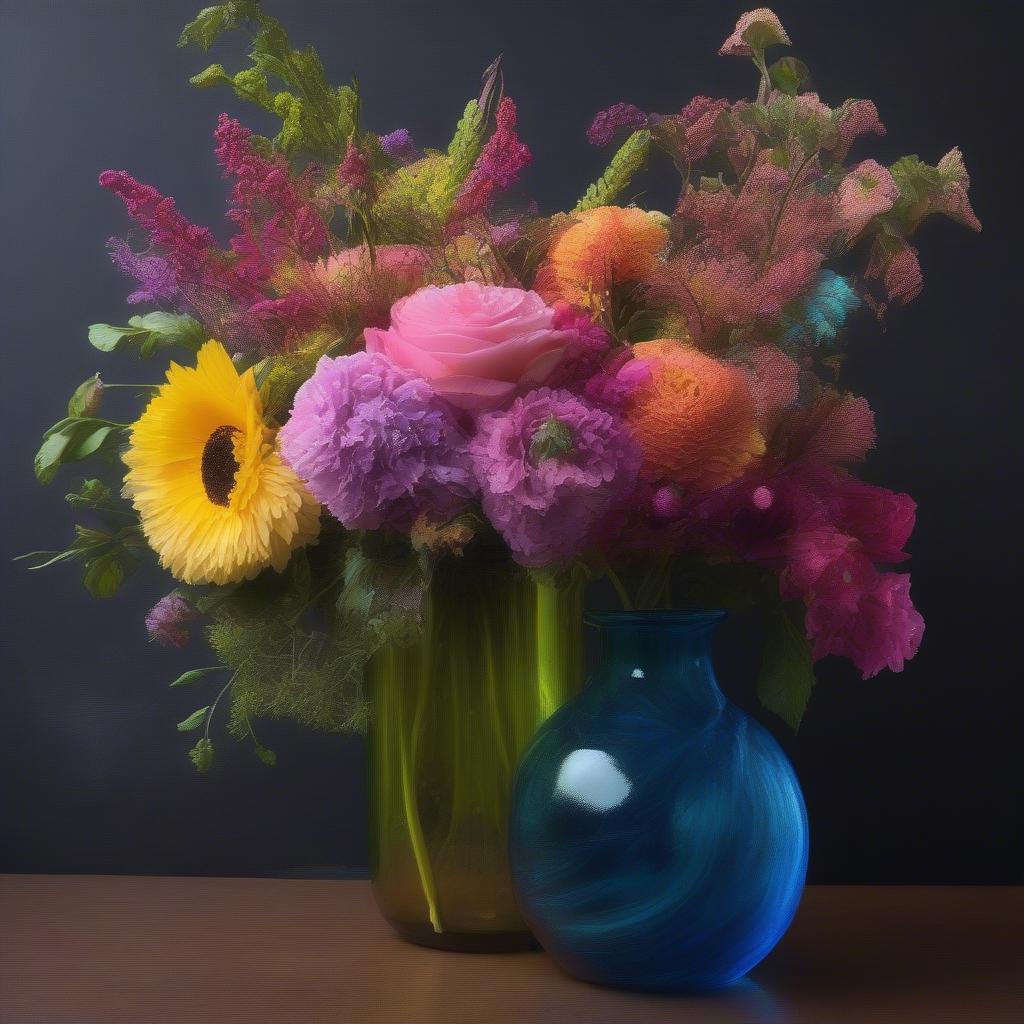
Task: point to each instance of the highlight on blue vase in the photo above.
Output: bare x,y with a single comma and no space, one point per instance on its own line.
658,837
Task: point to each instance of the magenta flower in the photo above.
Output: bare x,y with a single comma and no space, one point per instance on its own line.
168,620
583,355
880,519
190,250
264,193
616,382
497,168
607,122
354,170
868,618
376,445
551,468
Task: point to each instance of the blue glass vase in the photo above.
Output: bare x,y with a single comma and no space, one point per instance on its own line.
658,835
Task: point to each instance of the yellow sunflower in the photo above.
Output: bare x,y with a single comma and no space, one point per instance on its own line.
216,501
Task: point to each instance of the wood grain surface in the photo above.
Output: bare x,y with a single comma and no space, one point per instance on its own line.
104,950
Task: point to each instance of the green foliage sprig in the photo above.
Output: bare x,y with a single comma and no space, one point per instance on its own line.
108,554
297,643
627,162
317,117
149,335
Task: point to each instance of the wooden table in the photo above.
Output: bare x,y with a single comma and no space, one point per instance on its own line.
79,950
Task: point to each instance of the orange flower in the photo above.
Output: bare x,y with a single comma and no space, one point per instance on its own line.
603,247
694,416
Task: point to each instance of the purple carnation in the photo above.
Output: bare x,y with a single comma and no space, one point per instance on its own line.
376,445
606,123
551,468
168,620
154,274
398,145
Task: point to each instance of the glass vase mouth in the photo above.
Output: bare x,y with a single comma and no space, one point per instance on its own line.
657,619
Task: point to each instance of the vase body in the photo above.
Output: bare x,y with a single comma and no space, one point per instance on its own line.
451,715
658,833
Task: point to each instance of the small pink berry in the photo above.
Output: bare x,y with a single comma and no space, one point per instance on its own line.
667,503
762,498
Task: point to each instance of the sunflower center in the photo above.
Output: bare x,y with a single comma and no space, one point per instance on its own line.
220,464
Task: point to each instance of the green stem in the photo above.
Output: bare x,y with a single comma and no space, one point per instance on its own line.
547,635
412,815
765,85
620,589
782,207
213,707
492,697
316,597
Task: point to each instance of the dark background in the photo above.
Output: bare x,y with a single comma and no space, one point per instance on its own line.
908,778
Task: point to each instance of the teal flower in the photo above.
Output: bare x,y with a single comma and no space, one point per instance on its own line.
825,311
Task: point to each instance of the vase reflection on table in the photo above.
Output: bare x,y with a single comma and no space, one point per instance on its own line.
658,834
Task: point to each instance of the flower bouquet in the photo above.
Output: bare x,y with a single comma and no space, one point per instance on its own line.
408,411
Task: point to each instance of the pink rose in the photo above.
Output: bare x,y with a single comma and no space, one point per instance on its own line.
478,345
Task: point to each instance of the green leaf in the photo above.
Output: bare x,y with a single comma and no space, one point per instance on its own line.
90,546
89,440
553,439
271,40
920,185
211,76
384,592
49,457
86,398
194,720
149,334
104,576
788,75
202,755
194,674
91,493
71,440
267,756
629,159
208,24
465,147
759,35
787,673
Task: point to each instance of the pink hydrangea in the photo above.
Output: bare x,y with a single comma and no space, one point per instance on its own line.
699,120
867,191
857,118
874,624
551,468
376,445
737,46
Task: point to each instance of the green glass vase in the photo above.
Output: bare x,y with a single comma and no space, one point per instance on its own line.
451,715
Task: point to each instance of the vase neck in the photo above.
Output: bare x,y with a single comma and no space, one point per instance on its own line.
665,656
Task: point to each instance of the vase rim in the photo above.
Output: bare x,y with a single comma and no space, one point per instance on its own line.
656,618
